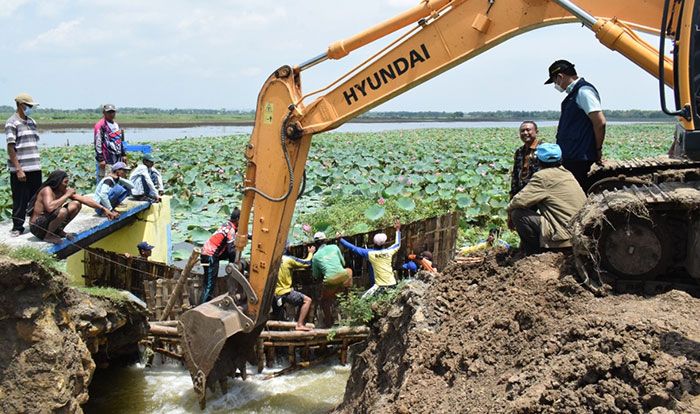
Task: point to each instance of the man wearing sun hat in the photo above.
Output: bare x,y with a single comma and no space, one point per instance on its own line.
581,129
23,159
556,195
109,141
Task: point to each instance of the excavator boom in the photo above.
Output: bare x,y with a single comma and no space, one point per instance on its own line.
440,34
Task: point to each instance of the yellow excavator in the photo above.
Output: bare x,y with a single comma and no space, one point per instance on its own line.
660,237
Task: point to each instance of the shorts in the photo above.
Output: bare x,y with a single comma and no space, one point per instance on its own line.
294,298
41,225
337,279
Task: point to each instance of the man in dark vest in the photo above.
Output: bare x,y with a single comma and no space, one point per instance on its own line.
581,129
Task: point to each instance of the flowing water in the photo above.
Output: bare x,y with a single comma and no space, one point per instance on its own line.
168,389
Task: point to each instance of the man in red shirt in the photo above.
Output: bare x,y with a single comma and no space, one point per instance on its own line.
219,246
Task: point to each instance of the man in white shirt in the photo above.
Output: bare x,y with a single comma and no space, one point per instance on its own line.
148,183
581,129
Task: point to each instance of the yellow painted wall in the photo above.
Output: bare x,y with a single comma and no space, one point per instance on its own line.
152,226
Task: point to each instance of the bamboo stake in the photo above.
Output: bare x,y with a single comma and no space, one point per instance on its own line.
180,283
285,325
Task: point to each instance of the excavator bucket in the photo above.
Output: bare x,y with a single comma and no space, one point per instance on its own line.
217,340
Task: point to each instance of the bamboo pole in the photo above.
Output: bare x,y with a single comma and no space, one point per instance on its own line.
285,325
160,330
168,353
302,335
180,283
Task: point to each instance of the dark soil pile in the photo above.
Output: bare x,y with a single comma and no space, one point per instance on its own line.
526,338
49,334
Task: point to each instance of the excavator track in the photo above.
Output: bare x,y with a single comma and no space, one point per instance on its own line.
640,237
639,171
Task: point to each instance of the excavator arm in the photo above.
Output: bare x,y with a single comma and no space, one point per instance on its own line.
441,34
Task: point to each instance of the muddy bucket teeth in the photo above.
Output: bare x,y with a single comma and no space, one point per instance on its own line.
217,339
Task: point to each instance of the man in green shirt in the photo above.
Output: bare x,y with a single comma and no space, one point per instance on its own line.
329,264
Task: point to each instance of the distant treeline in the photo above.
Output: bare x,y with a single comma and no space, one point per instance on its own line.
52,114
628,114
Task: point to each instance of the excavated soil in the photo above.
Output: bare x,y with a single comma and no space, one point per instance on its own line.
51,334
526,338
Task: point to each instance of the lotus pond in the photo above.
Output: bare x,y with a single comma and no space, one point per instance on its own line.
355,181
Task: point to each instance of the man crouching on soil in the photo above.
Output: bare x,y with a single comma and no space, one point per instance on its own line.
542,210
55,205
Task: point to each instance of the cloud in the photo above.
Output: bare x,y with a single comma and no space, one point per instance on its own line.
67,34
8,7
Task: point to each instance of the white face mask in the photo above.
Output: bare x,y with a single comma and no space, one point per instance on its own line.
27,110
558,88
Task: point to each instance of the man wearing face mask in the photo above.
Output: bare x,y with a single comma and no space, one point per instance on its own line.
581,129
23,159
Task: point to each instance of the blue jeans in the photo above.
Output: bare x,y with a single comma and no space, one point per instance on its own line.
211,272
116,195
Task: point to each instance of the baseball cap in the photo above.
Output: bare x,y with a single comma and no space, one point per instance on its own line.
119,166
379,239
319,235
109,107
25,98
548,153
559,66
144,246
149,157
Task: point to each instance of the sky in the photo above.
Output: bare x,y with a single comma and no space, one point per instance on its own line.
217,53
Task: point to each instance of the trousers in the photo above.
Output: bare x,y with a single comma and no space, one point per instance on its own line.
528,224
22,192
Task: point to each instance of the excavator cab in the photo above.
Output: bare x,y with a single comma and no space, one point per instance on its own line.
681,22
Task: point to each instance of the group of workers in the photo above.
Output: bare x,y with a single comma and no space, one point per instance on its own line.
546,192
548,180
52,204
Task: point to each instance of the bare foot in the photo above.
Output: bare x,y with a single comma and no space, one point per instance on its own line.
302,328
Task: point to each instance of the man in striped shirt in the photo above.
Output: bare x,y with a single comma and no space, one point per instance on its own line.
23,159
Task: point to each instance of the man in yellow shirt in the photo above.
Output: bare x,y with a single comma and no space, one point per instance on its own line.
284,293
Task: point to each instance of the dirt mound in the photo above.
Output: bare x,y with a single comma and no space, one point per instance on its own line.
527,338
49,334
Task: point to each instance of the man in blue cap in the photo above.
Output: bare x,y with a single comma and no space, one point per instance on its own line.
145,250
542,210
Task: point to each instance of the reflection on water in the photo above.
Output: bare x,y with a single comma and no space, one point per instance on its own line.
168,389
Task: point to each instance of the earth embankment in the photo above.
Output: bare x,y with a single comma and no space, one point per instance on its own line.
51,335
526,338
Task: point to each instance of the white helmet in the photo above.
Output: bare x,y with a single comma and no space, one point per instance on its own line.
379,239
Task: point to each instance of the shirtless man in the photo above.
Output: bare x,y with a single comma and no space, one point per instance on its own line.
56,205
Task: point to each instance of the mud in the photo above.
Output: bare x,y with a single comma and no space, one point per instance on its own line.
51,335
526,338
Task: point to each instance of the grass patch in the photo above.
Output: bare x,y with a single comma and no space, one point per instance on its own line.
31,254
104,292
356,311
